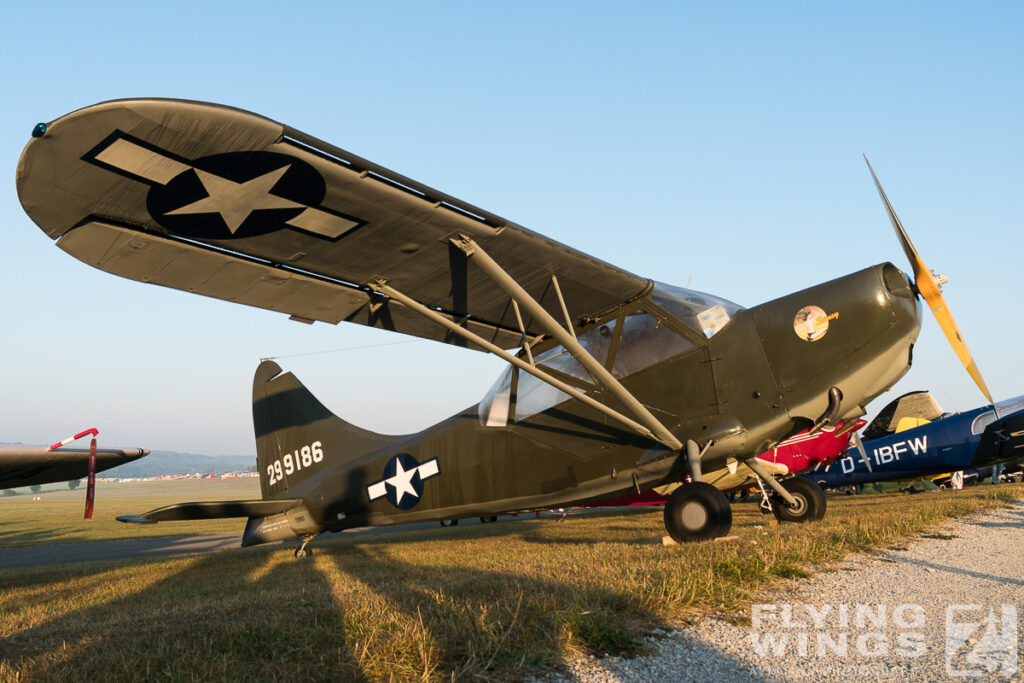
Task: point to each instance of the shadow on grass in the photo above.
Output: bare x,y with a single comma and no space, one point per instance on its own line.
204,622
491,623
14,534
361,609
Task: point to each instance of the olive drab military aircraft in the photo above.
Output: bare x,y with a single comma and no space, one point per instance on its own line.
615,383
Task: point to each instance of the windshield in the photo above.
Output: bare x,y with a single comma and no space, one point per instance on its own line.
705,313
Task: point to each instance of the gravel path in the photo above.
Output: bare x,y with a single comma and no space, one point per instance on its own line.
902,614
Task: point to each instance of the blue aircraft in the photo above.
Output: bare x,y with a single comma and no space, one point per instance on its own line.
911,438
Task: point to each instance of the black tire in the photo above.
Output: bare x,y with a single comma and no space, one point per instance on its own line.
301,552
697,512
449,522
811,501
488,520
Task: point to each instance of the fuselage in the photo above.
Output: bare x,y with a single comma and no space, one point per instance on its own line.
758,378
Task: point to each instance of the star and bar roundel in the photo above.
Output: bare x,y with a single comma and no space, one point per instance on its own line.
403,480
224,196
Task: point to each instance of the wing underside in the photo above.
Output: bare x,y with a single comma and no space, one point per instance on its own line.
29,465
228,204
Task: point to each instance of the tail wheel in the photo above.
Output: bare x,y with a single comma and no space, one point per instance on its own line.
696,512
810,501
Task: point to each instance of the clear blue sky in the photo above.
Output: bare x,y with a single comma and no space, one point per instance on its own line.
719,142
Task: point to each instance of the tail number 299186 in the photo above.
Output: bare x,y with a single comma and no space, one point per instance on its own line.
298,460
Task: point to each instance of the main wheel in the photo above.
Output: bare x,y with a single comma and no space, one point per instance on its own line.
696,512
810,501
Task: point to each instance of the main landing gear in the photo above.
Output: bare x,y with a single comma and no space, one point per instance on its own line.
696,512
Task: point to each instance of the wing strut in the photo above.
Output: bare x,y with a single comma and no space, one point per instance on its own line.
385,289
566,339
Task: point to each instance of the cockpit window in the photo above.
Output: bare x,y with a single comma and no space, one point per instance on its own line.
535,395
1005,408
494,406
645,341
982,421
705,313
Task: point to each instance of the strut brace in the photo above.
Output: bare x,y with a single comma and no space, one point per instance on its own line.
567,339
389,291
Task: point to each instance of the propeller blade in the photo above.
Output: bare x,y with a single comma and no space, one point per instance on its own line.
930,292
863,453
901,234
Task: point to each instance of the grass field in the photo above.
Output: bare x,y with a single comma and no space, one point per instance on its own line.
57,517
485,601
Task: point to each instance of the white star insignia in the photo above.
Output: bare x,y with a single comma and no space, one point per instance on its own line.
236,201
402,481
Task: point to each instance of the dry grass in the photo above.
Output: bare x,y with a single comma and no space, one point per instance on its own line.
486,601
57,518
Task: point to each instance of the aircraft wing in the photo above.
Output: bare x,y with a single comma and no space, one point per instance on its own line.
232,205
28,465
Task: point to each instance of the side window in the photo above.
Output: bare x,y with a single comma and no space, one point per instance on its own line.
535,396
494,406
645,341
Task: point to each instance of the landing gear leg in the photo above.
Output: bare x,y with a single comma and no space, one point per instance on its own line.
696,512
766,506
302,551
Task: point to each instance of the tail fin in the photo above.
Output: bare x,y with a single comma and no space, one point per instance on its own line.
297,437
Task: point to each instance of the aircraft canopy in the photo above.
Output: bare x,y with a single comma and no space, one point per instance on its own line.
645,341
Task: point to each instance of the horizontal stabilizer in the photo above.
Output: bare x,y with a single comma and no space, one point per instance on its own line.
135,519
213,509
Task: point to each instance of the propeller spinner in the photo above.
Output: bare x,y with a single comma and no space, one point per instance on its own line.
927,284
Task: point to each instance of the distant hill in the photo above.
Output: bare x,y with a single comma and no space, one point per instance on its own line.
168,462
